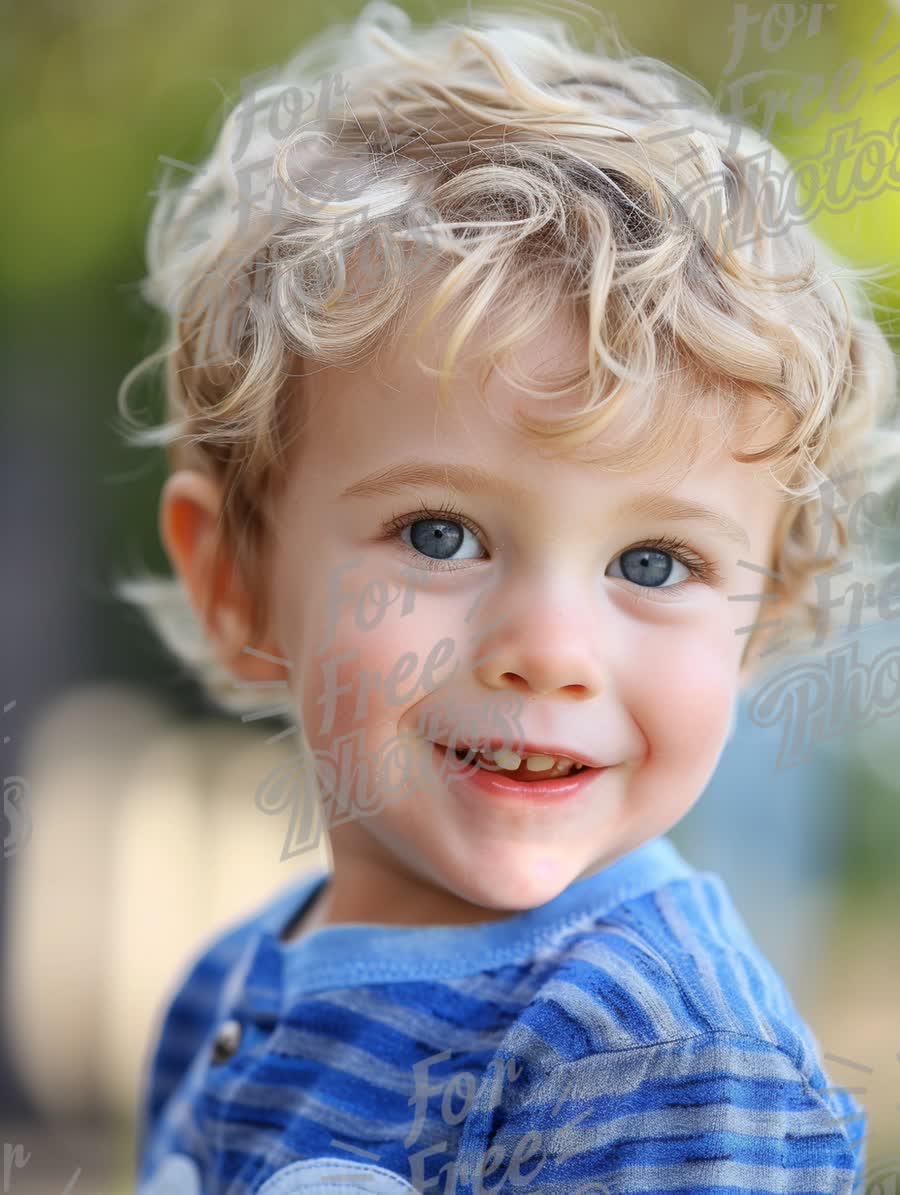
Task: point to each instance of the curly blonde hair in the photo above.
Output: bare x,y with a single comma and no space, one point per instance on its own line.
497,156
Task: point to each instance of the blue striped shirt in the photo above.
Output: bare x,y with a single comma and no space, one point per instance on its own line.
626,1036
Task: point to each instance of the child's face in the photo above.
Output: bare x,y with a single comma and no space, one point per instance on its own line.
544,633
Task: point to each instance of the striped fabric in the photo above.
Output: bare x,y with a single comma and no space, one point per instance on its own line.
627,1036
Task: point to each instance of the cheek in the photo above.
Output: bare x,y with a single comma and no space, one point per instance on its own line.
684,703
370,665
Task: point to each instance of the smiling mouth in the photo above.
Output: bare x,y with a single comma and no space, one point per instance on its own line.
528,769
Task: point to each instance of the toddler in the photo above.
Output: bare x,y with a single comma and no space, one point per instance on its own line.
474,284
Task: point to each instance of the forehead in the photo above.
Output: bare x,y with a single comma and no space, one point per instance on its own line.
388,410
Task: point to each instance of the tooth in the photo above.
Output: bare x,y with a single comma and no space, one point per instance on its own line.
507,759
463,748
539,763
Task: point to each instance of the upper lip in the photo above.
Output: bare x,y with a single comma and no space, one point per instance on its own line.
531,748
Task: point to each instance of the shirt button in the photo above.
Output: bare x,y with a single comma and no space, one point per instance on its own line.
227,1041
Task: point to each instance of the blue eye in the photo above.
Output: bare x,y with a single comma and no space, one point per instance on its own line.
440,539
434,538
649,566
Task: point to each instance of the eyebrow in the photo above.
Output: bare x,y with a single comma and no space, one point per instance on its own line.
470,479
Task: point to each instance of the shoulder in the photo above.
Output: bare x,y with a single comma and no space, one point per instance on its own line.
661,1037
672,963
191,1010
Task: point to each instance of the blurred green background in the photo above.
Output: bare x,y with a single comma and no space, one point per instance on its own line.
97,94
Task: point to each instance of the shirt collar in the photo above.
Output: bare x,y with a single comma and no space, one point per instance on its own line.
350,955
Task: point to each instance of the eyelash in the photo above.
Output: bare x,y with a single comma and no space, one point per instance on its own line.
701,569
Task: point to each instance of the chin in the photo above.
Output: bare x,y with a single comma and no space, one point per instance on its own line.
512,889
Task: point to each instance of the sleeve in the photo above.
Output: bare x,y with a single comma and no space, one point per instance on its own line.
711,1114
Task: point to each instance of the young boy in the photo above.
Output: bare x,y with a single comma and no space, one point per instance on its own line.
506,595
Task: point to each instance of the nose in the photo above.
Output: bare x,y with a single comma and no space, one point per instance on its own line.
543,644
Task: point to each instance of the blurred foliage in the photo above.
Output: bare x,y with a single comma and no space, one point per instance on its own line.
872,876
97,91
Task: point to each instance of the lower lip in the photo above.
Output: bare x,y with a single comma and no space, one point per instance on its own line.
495,784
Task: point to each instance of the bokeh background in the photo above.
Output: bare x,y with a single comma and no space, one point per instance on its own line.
129,828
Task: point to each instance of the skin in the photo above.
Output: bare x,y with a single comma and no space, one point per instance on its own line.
646,683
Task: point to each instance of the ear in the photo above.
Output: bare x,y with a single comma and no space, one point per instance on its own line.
188,518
